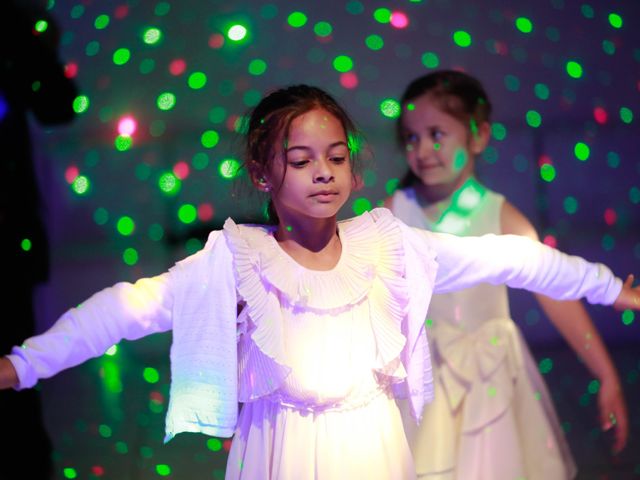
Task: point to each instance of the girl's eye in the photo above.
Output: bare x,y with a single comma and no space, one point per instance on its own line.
298,163
337,159
410,138
437,135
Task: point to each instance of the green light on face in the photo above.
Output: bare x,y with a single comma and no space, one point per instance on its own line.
547,172
125,226
209,139
582,151
130,256
374,42
257,67
354,144
361,205
297,19
342,63
382,15
169,183
41,26
524,24
460,158
229,168
390,108
436,146
574,69
81,185
121,56
534,119
237,33
187,213
322,29
101,22
430,60
166,101
25,245
615,20
462,38
81,104
152,35
197,80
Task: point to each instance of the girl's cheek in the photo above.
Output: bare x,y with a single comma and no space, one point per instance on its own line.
460,159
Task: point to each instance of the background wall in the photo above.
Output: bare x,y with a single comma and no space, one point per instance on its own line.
564,77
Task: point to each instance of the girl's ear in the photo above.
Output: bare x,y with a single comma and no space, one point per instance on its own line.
480,139
258,178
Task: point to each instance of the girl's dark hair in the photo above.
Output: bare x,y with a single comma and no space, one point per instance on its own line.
270,121
456,93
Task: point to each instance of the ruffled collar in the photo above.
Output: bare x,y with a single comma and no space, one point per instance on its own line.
347,283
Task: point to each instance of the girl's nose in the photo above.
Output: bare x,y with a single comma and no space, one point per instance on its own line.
323,172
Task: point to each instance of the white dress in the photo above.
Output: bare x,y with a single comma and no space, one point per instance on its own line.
492,417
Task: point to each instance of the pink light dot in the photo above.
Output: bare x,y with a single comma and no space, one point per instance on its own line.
156,397
600,115
610,216
127,126
121,12
231,123
399,20
71,70
501,48
349,80
177,67
216,40
550,240
544,160
181,169
97,470
71,173
205,212
226,445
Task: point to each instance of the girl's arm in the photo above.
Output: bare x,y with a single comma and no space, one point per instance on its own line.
573,322
124,311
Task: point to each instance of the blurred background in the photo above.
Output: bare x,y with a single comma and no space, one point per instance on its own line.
151,163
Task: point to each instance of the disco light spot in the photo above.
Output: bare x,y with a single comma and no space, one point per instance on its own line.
121,56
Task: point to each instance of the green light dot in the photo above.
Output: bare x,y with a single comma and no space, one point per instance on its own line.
354,7
587,11
498,131
26,245
41,26
512,83
524,24
101,216
390,108
105,431
156,232
123,143
112,351
615,20
169,183
545,366
237,33
121,56
101,22
322,29
626,115
382,15
162,8
125,226
582,151
608,47
229,168
187,213
200,161
81,185
197,80
152,35
251,98
217,115
570,205
163,470
70,472
92,48
430,60
462,38
342,63
147,66
491,391
268,11
593,387
628,317
192,246
547,172
209,139
214,444
297,19
81,104
374,42
534,119
257,67
391,185
130,256
634,195
150,375
541,91
608,242
574,69
361,205
77,11
166,101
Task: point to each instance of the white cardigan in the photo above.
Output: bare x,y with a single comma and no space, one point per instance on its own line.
197,299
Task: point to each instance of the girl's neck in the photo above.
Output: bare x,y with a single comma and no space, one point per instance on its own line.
433,194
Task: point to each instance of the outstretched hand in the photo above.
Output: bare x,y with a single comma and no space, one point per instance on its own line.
613,412
8,375
629,298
